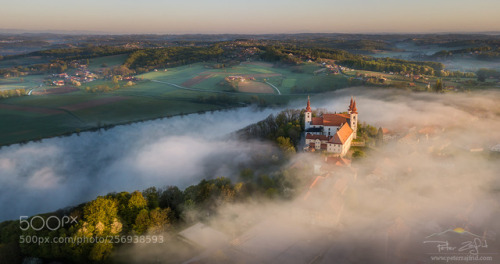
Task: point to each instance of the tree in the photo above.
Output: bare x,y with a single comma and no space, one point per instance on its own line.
142,222
285,145
380,136
159,220
172,198
483,74
151,195
135,204
101,251
357,154
247,175
439,86
101,212
115,79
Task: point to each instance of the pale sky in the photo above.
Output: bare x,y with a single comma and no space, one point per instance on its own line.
256,16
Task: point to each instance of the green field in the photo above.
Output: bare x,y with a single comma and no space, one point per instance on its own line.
283,78
40,116
24,82
106,62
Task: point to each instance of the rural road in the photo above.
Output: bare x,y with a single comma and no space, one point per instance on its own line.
275,88
193,89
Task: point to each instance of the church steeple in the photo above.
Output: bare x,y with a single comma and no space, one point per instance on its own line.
354,109
353,116
308,114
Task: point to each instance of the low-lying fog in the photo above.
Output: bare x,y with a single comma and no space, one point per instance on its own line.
59,172
437,174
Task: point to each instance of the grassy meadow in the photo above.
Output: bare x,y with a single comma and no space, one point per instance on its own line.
40,116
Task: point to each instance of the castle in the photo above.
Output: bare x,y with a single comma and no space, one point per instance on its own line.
332,133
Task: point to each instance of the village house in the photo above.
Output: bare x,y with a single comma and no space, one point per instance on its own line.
58,83
332,133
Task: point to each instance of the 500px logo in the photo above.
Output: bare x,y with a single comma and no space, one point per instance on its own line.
51,223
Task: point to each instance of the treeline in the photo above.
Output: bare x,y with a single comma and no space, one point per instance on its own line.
119,219
364,44
17,71
284,129
481,53
291,54
330,84
12,93
24,44
483,74
393,65
148,59
81,53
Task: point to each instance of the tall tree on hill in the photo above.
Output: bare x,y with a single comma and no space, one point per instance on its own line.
439,86
380,136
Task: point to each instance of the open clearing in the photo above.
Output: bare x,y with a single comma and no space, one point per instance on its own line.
94,103
107,62
196,80
254,87
31,109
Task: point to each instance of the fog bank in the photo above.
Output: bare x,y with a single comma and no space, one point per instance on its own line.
60,172
434,175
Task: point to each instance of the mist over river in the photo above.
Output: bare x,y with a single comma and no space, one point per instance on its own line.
45,176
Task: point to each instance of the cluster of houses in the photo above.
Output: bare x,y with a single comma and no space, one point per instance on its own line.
334,68
238,78
370,78
82,75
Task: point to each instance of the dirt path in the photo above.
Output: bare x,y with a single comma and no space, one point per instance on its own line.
195,80
275,88
198,90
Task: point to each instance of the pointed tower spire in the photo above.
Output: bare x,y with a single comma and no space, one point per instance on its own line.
350,105
308,108
354,109
308,114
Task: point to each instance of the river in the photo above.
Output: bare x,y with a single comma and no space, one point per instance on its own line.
58,172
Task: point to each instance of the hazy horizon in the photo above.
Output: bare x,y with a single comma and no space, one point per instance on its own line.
256,17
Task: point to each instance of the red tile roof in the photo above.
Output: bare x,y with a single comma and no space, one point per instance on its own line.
334,119
338,161
342,134
317,121
316,181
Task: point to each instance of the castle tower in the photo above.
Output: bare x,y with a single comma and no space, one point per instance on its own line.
353,117
308,114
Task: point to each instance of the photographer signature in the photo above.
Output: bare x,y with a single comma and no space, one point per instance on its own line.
472,246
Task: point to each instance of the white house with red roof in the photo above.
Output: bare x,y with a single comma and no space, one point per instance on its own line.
332,133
